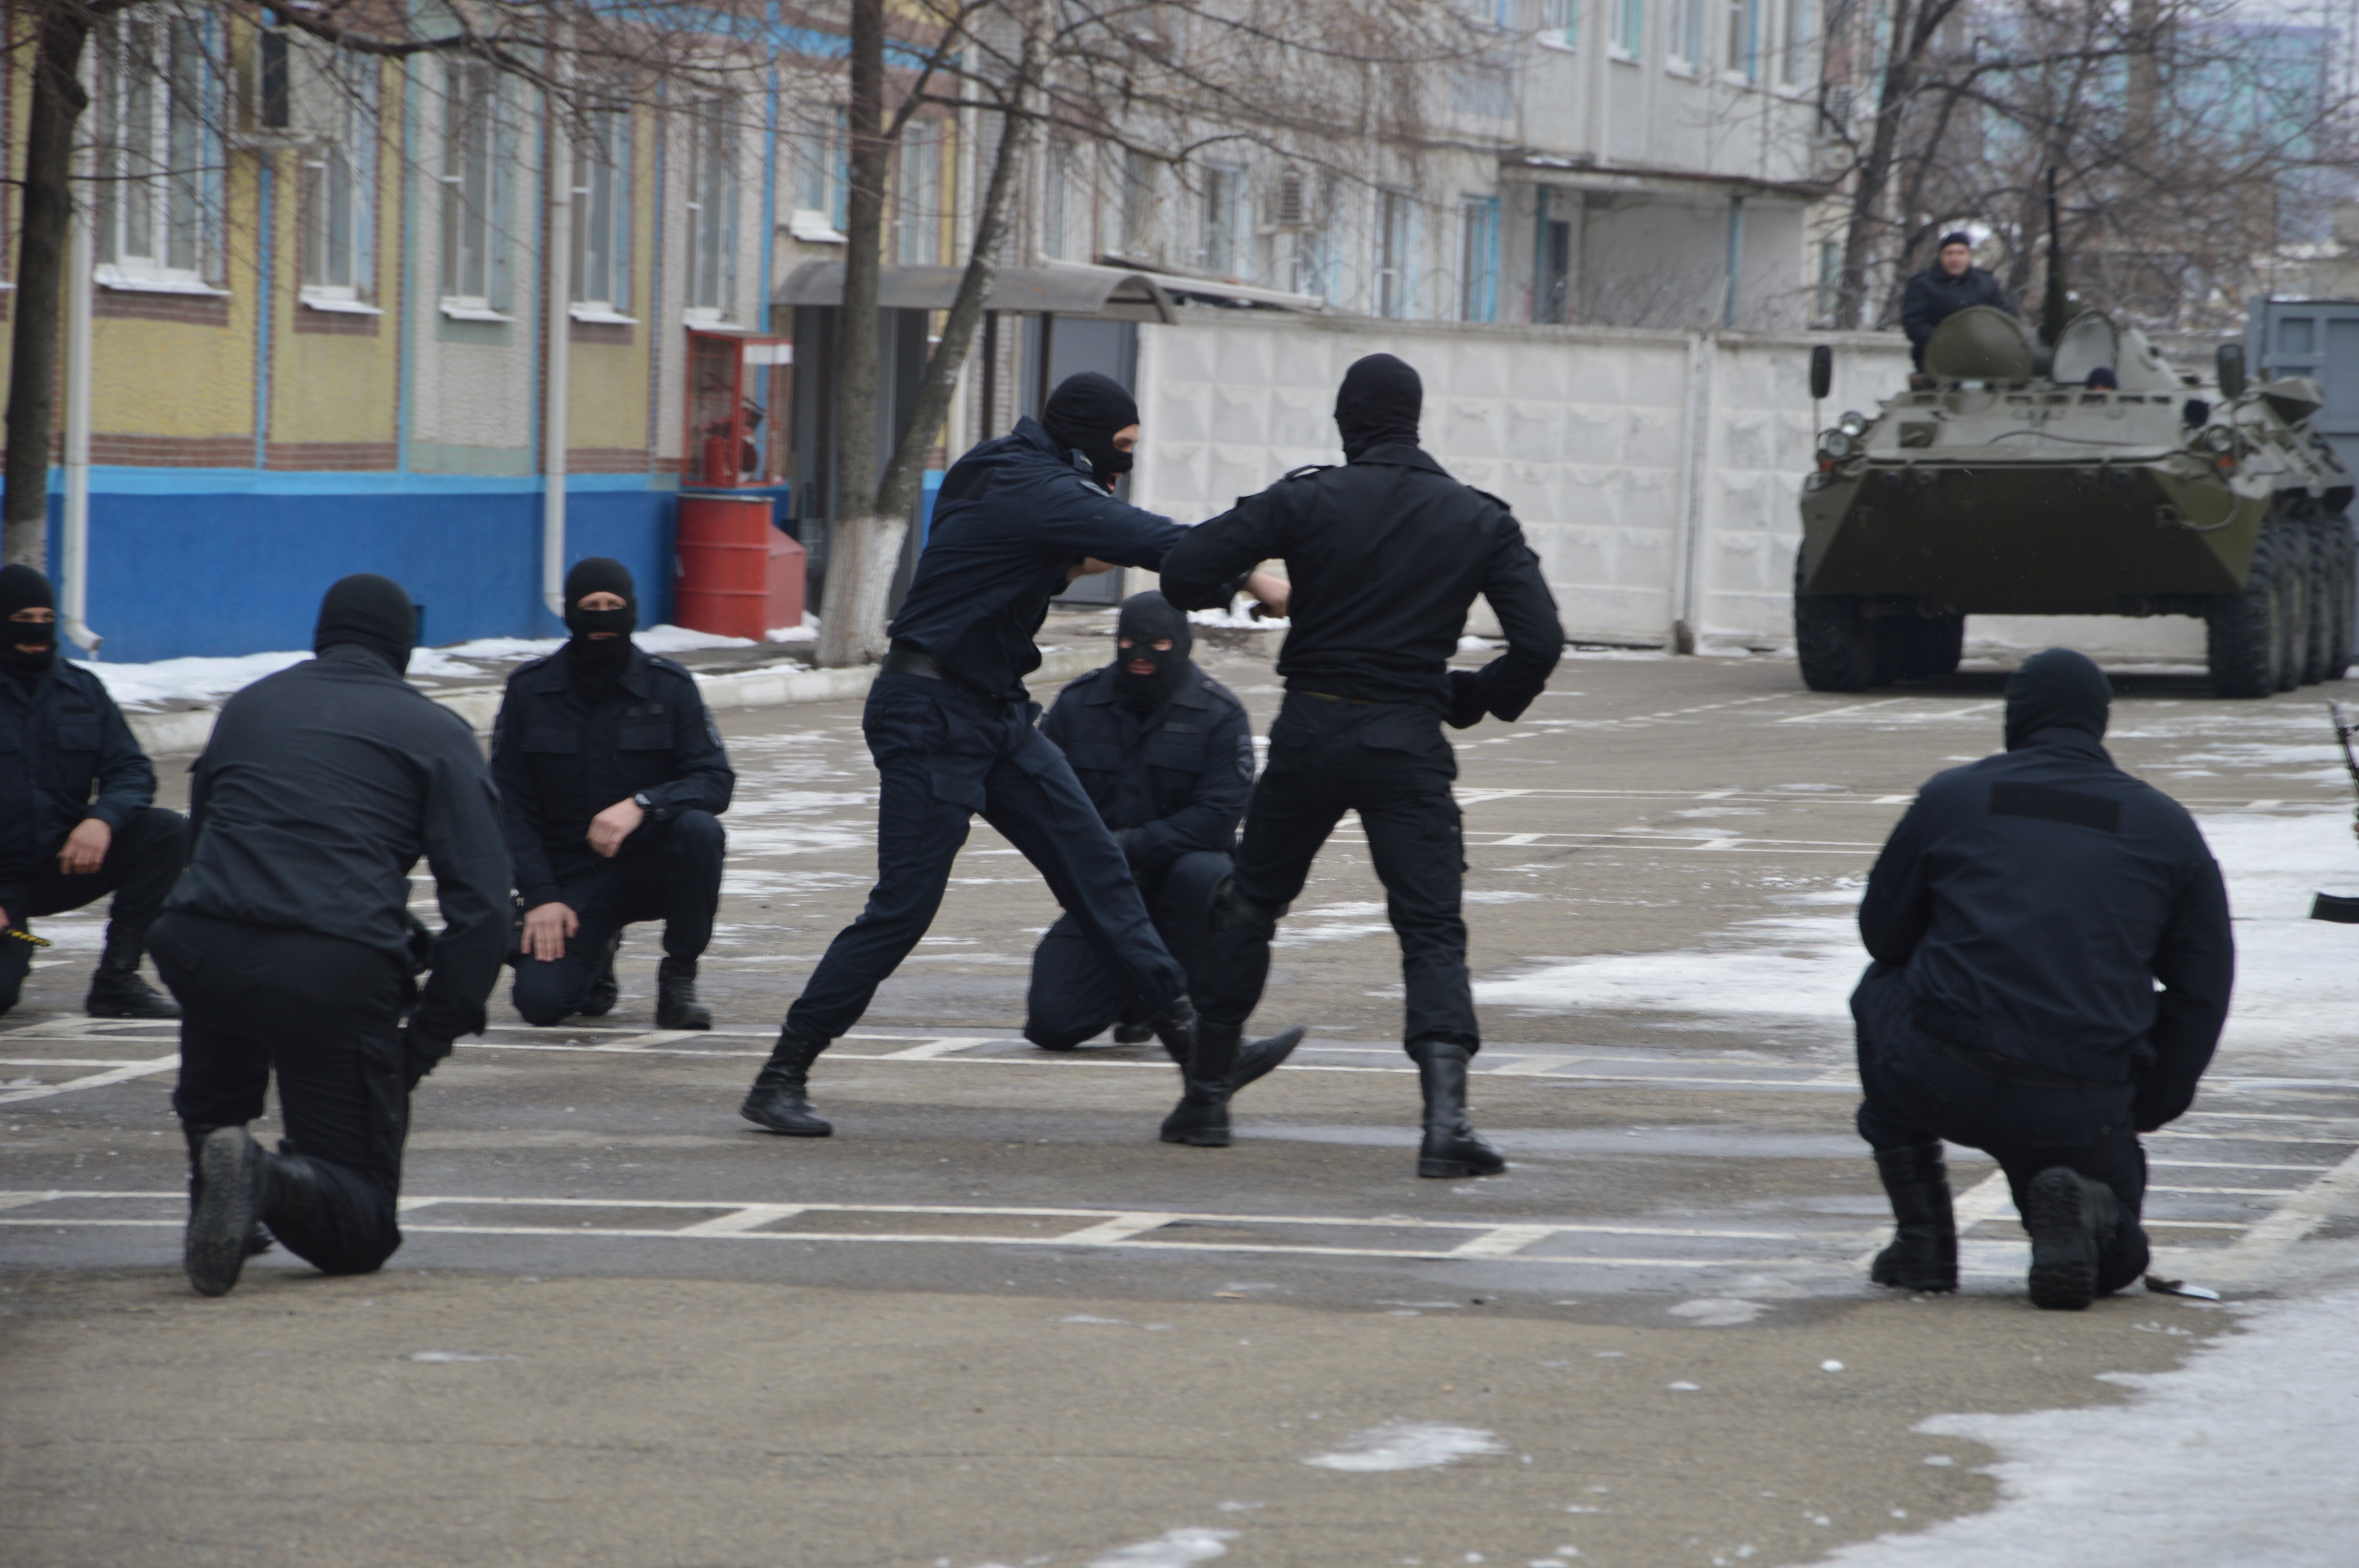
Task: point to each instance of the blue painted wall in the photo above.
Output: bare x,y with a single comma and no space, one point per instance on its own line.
227,562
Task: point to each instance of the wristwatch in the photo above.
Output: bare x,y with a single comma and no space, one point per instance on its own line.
642,802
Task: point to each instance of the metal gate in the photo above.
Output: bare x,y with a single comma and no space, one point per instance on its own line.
2316,338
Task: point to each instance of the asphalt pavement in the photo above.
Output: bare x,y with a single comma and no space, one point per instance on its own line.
994,1320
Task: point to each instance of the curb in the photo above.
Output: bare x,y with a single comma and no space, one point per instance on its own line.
188,729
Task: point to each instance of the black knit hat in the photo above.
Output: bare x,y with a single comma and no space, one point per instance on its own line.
368,612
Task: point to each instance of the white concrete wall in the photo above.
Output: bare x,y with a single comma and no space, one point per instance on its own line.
1656,473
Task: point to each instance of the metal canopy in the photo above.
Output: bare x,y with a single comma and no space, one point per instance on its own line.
1061,288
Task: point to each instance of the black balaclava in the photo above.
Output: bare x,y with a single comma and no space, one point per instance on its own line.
1085,414
22,588
599,662
1146,617
2059,689
1377,404
368,612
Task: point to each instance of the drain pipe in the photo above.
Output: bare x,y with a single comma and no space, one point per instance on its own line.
74,601
558,310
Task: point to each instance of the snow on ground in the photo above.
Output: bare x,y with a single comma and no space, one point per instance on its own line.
2292,972
210,679
2243,1456
1408,1445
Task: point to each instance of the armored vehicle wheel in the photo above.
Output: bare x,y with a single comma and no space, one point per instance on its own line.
1832,640
2293,562
2318,599
2245,632
2342,553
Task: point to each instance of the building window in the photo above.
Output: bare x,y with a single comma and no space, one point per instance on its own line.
1743,56
1140,175
1629,28
477,165
157,162
821,176
1794,63
1224,199
1830,278
1056,185
1478,258
713,210
602,215
1553,300
1560,24
918,209
1393,236
1683,47
337,102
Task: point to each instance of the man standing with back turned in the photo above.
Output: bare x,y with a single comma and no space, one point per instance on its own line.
950,725
1386,555
2020,918
290,943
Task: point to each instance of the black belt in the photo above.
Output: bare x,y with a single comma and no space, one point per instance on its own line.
904,659
2008,1070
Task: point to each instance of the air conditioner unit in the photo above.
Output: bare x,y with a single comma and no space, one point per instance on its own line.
1291,208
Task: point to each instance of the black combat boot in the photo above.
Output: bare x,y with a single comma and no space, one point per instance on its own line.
1451,1148
1133,1032
2070,1219
18,946
1924,1251
676,1003
117,991
1202,1117
778,1101
231,1186
1256,1058
606,991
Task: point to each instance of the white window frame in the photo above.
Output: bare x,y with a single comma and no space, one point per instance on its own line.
714,198
821,176
1798,34
1559,25
1629,41
1141,191
1393,275
157,157
917,193
1742,60
603,227
1223,222
1478,258
477,149
1055,198
1684,50
336,101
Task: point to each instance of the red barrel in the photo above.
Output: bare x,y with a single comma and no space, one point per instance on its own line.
739,576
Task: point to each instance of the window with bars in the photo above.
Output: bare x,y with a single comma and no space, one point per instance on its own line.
336,101
919,200
477,180
713,201
159,164
602,215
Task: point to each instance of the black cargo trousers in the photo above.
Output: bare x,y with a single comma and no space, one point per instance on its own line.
1392,765
324,1014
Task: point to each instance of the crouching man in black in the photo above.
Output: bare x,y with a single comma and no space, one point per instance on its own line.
290,943
62,847
1386,555
1165,754
2021,918
611,778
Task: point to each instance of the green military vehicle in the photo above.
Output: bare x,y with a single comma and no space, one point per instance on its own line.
2003,483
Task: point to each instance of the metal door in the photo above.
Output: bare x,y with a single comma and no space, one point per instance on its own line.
2316,338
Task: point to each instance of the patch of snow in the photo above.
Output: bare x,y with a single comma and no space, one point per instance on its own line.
1685,1388
1719,1312
452,1356
1085,1317
1238,616
1408,1445
1172,1549
186,680
2242,1456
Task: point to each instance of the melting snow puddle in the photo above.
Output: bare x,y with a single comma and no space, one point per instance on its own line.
1408,1445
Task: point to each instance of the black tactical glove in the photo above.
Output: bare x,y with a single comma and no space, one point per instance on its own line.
420,1055
1467,704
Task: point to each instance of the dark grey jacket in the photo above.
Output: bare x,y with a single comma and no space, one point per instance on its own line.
58,743
321,788
1168,783
1934,297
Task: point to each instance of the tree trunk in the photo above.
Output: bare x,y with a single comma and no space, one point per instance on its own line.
1912,35
57,102
860,572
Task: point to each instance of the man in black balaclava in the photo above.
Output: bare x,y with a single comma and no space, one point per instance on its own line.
2021,918
78,817
950,726
611,783
1386,554
1165,754
293,950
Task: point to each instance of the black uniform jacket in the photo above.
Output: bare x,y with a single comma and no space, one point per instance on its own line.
1168,783
1386,555
320,789
1014,515
2037,897
1934,297
58,743
561,759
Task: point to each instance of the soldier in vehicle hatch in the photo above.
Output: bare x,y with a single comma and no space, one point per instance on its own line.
1942,291
2052,968
1165,754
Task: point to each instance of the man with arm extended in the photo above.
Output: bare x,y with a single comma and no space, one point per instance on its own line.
950,726
612,780
78,813
290,943
1165,754
1386,555
2021,917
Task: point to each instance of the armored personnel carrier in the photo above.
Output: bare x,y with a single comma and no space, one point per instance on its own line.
2011,480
